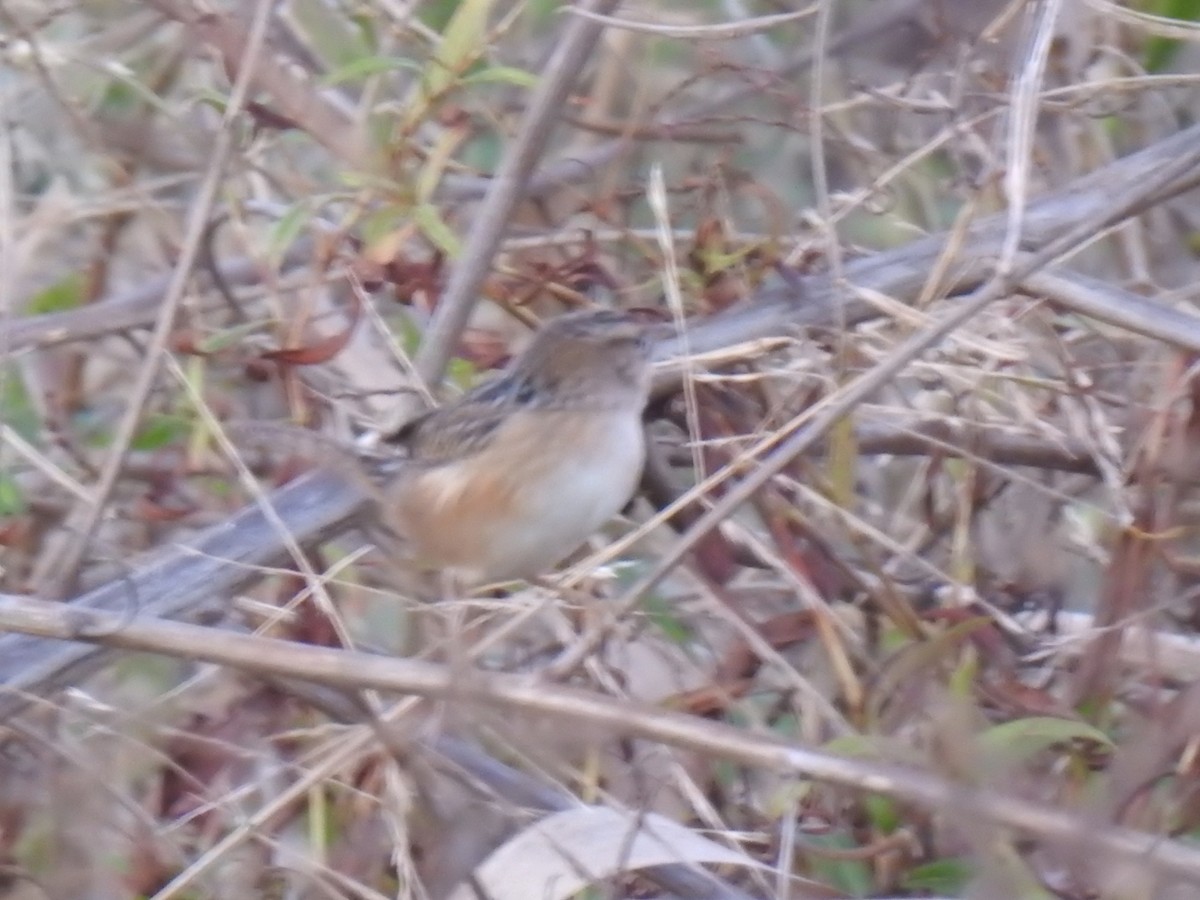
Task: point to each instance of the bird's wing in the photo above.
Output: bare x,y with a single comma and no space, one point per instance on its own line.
464,426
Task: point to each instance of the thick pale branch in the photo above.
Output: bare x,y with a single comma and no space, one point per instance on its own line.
178,580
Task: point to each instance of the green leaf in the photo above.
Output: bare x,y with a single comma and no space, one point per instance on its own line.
659,611
12,501
16,410
221,488
921,656
381,223
429,220
364,21
842,458
482,153
361,69
363,180
502,75
126,93
437,159
463,41
213,99
963,678
409,336
119,97
66,293
882,812
849,876
228,337
1021,739
728,774
287,229
337,38
436,13
159,431
948,877
1160,51
461,373
542,13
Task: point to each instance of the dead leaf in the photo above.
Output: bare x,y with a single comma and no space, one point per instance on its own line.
565,852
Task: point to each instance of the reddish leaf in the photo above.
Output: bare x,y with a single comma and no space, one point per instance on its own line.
780,632
185,342
715,557
311,354
257,370
484,348
988,640
154,511
712,701
265,117
148,866
15,531
412,279
323,350
723,290
369,272
1016,698
1124,595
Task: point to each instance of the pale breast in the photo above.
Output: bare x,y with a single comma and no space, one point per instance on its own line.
579,491
548,481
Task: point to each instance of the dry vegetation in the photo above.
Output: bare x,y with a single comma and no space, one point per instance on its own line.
905,606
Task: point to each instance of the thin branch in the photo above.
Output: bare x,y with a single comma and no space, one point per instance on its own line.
720,32
459,757
941,438
1102,301
299,102
899,14
790,441
62,568
545,109
1022,120
522,695
131,308
900,272
778,308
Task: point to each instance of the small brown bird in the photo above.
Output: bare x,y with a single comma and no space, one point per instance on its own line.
509,479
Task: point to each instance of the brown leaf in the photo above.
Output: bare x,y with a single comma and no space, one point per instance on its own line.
265,117
1016,698
257,370
780,632
324,349
723,290
714,700
1125,593
412,279
155,511
484,348
148,866
369,272
715,557
186,342
15,531
311,354
988,640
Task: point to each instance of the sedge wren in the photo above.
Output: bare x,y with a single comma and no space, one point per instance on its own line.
509,479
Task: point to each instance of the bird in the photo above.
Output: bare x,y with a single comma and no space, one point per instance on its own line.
506,481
